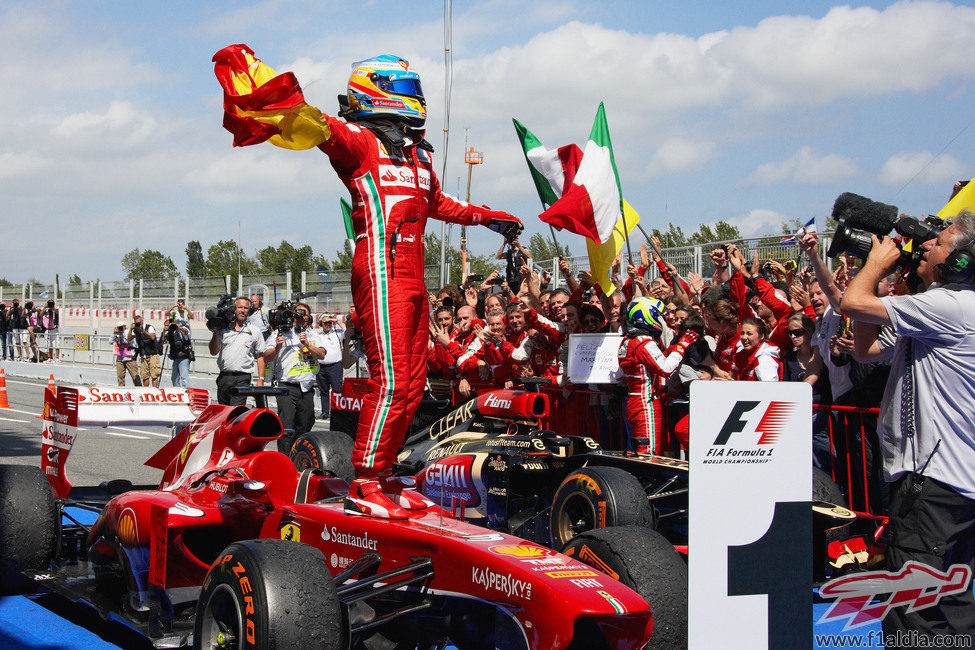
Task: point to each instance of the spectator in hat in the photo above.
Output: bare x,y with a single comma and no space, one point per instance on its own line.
124,352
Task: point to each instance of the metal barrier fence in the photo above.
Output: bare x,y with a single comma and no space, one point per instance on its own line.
332,288
697,259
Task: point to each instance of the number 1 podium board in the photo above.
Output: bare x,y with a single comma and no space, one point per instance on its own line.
750,519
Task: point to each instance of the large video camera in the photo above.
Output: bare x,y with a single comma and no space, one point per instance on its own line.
282,317
860,218
221,316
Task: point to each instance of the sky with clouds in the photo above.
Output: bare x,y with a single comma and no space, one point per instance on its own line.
110,116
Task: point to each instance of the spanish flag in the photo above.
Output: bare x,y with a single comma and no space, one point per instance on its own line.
963,200
260,105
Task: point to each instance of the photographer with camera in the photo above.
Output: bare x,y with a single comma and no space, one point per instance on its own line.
124,352
927,417
180,352
330,370
238,346
295,354
143,337
515,256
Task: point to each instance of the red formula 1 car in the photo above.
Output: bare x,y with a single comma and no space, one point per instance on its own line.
238,549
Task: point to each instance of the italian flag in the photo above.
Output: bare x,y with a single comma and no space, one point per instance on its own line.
553,171
591,202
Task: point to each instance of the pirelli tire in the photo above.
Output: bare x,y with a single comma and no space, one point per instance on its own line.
643,560
269,594
327,450
826,489
28,525
597,497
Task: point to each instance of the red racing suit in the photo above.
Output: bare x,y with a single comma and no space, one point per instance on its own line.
393,195
644,366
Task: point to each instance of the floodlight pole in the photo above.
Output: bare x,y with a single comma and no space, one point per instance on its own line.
471,158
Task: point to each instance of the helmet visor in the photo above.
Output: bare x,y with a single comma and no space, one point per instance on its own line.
406,87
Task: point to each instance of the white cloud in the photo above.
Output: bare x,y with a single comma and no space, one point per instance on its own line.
679,155
922,166
805,167
263,175
121,126
758,223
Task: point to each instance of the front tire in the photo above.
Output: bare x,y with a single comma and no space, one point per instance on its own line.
597,497
269,594
326,450
643,560
28,524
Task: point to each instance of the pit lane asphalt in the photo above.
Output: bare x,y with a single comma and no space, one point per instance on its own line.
99,454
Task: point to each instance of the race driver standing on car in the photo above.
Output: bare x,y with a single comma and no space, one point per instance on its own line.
377,148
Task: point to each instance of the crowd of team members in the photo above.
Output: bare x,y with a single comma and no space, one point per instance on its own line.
752,321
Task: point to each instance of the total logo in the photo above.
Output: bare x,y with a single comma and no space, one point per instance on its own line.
748,435
346,403
336,536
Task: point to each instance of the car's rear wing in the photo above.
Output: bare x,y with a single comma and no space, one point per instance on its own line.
69,407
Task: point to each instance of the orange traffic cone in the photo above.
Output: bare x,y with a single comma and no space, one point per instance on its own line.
3,391
51,385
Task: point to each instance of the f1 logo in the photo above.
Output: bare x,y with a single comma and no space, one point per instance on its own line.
734,423
770,426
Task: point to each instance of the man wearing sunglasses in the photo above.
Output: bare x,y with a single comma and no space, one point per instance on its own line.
295,353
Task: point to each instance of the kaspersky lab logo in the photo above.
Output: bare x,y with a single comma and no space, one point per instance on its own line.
746,436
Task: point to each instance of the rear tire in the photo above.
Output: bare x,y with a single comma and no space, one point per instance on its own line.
643,560
326,450
269,594
825,489
598,497
28,525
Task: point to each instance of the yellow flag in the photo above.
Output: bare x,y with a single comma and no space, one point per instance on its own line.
602,256
964,199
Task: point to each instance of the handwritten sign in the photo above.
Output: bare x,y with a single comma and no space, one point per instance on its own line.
593,358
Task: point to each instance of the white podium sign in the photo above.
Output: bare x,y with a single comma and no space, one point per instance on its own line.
594,358
750,520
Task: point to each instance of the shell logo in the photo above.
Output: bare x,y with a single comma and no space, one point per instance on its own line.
127,531
522,551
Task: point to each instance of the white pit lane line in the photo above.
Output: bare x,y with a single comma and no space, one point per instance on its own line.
15,420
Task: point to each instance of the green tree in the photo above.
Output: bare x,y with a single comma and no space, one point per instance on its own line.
225,257
149,265
286,258
483,264
4,282
672,237
343,258
196,264
543,248
75,279
721,232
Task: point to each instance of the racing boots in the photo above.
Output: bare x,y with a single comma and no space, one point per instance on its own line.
366,498
402,491
387,497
